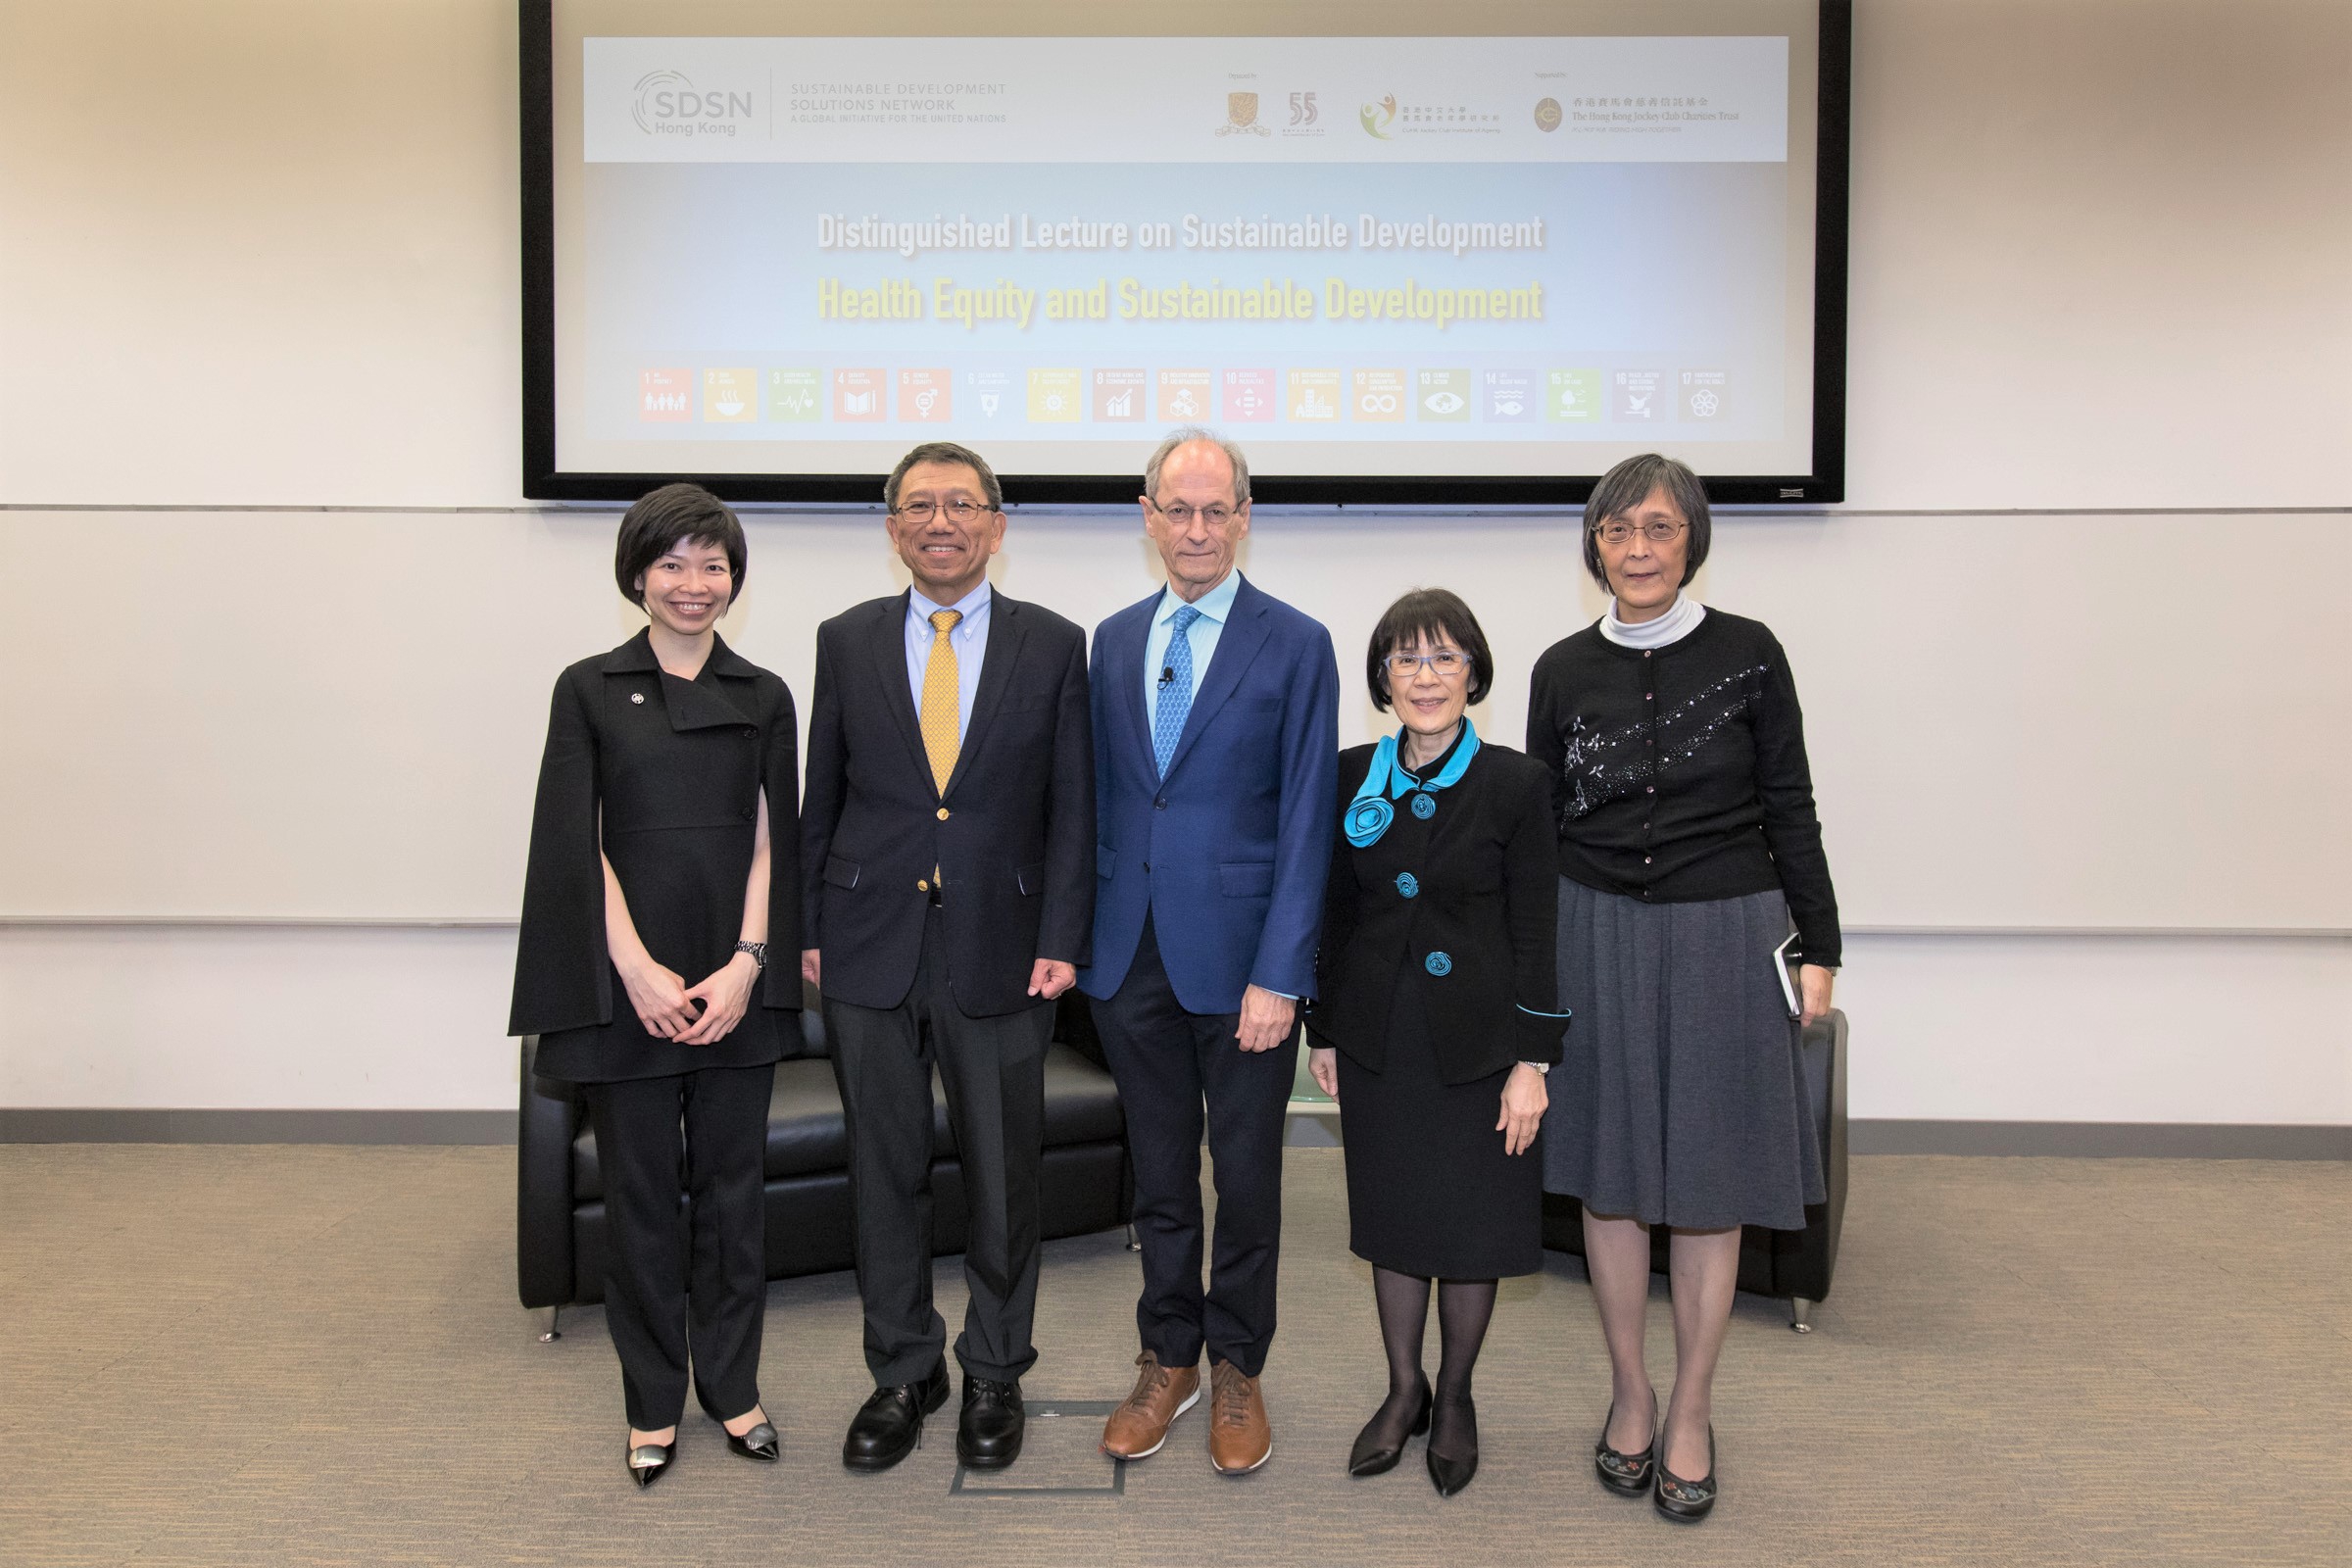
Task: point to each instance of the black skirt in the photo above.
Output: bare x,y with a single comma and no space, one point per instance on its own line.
1430,1191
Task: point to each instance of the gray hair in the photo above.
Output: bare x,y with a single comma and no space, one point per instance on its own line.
1628,485
1186,436
945,451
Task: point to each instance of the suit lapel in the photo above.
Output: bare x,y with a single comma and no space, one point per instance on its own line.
1125,667
998,654
887,647
1246,631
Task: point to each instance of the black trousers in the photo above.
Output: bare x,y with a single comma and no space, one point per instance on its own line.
1169,1064
994,1072
685,1285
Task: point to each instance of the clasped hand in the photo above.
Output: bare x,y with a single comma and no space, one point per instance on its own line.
667,1006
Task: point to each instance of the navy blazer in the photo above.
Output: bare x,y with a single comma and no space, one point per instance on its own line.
1011,834
1226,855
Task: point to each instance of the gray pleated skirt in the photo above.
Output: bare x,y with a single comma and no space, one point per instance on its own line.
1681,1101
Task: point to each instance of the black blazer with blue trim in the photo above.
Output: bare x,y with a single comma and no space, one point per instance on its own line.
1013,833
1463,903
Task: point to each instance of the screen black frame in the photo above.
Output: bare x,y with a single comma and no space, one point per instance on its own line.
542,480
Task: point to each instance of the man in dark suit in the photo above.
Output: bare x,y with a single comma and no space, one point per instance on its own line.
948,820
1215,711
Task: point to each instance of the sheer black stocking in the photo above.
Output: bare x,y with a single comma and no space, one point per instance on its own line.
1403,1301
1464,1307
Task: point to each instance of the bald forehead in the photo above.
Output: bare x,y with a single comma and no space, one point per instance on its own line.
1195,467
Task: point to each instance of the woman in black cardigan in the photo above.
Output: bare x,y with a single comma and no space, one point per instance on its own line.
664,863
1688,846
1435,1020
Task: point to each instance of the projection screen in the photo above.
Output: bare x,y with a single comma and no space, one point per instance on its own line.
1475,268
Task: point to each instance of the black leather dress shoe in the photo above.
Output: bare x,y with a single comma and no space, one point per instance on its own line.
758,1444
1373,1454
889,1425
649,1462
988,1432
1453,1426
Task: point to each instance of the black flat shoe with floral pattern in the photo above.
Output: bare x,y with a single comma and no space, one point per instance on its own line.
1686,1502
1626,1474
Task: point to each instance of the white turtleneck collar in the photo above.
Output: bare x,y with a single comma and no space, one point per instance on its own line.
1681,618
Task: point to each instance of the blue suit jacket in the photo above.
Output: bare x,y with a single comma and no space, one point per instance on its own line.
1229,851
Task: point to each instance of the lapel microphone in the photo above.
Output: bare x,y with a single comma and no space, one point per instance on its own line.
1167,676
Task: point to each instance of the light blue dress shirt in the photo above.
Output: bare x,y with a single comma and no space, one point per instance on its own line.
969,639
1215,607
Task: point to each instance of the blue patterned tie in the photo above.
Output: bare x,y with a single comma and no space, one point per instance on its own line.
1176,692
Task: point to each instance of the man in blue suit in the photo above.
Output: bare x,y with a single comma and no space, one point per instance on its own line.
1215,729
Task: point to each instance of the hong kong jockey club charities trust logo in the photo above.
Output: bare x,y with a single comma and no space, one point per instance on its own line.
1547,115
669,104
1377,118
1241,115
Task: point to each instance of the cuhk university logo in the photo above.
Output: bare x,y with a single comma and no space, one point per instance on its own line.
1241,115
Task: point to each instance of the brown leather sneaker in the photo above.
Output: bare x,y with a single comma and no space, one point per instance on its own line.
1139,1425
1240,1436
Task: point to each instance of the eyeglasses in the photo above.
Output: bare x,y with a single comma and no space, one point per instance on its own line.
1446,661
1180,515
1659,532
958,509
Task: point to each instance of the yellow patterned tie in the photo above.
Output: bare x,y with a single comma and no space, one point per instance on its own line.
940,686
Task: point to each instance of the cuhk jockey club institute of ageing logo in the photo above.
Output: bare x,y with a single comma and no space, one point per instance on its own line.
668,103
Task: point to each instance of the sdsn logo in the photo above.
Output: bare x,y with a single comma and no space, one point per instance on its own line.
670,104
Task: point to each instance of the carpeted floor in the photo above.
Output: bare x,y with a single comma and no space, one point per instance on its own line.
291,1356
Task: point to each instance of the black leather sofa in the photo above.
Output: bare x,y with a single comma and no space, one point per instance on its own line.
1795,1265
560,1212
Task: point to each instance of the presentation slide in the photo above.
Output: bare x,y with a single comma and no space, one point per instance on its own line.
1359,255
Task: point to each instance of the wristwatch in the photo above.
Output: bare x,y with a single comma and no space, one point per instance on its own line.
757,951
1543,1068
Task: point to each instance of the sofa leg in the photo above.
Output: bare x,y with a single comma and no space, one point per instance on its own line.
1801,1314
552,1333
1133,1245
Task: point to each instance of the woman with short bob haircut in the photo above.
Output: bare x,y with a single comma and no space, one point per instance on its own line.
664,863
1434,1021
1688,846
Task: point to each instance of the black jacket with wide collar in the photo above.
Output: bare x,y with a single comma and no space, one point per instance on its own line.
1463,903
1011,837
663,777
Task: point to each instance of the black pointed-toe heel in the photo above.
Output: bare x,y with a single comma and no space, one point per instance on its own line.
1370,1457
1451,1475
1687,1501
1626,1474
758,1444
649,1462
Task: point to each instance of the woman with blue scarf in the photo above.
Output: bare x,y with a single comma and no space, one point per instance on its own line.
1433,1023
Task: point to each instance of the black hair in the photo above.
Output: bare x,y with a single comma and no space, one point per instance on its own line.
945,451
1627,486
1437,615
653,527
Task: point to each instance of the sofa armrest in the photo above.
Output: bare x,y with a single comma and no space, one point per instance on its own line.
543,1234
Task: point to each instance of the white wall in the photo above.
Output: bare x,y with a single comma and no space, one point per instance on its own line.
2099,253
